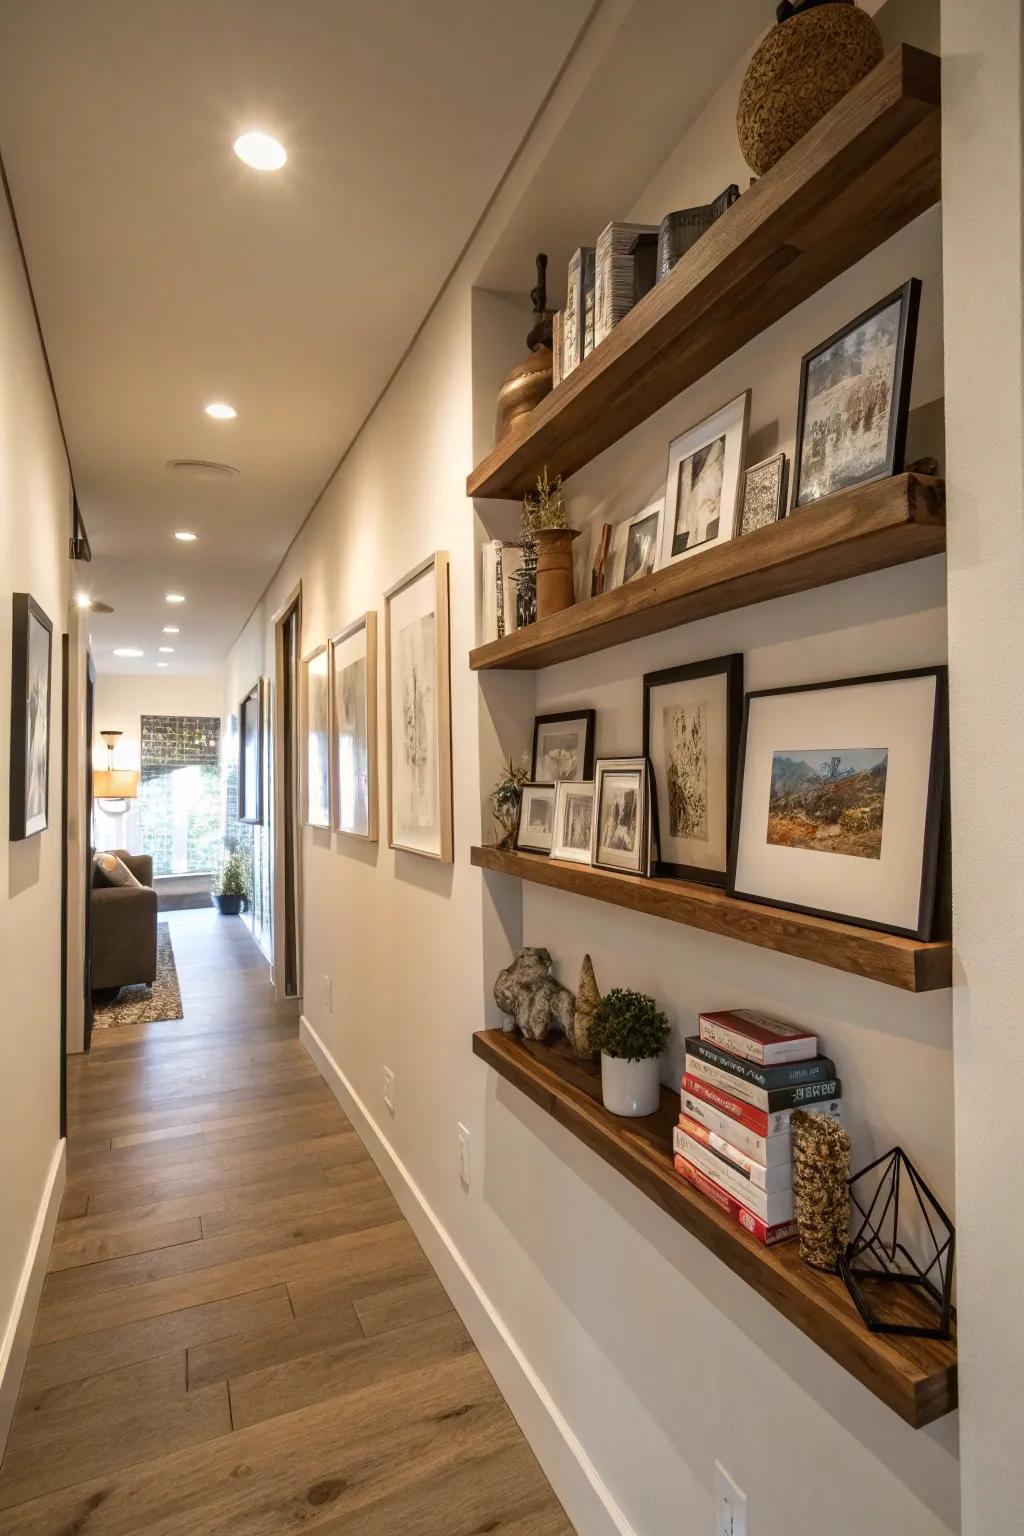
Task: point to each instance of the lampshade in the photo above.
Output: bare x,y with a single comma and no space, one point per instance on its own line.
115,783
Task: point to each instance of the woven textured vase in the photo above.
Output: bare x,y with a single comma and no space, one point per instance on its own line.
803,67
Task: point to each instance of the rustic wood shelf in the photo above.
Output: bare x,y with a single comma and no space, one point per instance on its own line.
868,168
917,1378
903,963
888,522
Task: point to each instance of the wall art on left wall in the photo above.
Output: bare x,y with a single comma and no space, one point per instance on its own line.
31,652
418,700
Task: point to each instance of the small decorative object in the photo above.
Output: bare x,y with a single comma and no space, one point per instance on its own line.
574,822
679,231
621,814
702,490
574,313
230,896
250,755
851,424
691,738
587,999
31,649
536,818
526,585
878,1259
354,704
563,746
544,523
532,379
764,494
821,1194
419,727
532,1000
506,797
851,771
317,737
624,267
589,301
500,561
635,545
806,64
631,1033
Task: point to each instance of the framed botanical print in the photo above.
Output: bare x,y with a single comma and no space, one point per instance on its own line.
250,755
354,728
620,814
692,718
702,490
636,545
839,800
31,655
855,398
764,494
574,822
536,818
417,695
563,746
317,737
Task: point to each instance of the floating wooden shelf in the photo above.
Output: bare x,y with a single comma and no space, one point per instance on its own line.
865,529
897,962
917,1378
868,168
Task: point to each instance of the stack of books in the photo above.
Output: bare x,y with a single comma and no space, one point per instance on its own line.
745,1075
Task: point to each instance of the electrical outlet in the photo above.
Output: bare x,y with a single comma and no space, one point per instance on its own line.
730,1505
464,1154
327,993
389,1089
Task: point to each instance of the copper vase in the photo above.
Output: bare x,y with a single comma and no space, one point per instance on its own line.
524,388
555,586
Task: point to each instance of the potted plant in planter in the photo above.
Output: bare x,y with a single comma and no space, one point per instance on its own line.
229,898
546,529
631,1033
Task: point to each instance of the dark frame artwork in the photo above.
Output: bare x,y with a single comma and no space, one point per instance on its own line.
909,299
24,820
589,716
622,767
251,704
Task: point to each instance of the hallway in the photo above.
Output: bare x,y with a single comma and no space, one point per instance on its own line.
239,1333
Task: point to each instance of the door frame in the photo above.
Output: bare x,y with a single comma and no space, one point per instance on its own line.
287,830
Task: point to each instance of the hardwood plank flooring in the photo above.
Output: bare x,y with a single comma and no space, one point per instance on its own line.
239,1333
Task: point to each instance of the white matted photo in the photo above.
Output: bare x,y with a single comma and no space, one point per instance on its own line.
635,546
620,814
574,822
317,736
536,818
417,692
354,712
704,482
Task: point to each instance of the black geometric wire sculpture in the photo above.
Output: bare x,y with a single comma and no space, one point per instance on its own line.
878,1255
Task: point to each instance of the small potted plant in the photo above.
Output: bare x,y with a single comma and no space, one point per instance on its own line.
229,898
631,1033
545,526
505,800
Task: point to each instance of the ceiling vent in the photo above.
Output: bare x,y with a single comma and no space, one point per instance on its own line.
202,469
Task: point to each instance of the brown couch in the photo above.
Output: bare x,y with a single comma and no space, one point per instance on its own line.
124,927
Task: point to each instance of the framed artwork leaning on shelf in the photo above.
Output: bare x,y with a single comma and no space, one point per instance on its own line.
563,746
764,494
573,838
354,728
417,691
316,736
621,815
635,546
704,482
536,818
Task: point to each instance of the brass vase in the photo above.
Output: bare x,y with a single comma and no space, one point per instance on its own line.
555,586
531,379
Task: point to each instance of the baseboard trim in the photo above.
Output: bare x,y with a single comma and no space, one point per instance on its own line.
577,1482
14,1349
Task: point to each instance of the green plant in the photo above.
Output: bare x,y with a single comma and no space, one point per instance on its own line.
232,876
544,507
627,1024
505,798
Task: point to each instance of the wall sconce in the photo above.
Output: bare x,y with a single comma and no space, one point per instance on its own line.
111,785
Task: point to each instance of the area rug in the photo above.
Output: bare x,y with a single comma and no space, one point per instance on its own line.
143,1004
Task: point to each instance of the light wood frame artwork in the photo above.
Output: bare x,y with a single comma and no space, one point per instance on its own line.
417,689
316,724
250,798
354,785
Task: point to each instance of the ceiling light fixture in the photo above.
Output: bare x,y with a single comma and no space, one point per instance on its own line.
127,650
260,151
175,597
166,650
161,663
186,538
171,629
220,410
83,600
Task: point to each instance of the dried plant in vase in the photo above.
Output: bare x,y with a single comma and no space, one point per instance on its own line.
545,526
821,1194
506,797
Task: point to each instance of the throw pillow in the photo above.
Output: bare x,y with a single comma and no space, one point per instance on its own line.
114,870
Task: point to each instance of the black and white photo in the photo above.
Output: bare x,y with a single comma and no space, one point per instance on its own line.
702,488
354,702
31,654
574,822
764,494
418,712
536,818
563,746
635,546
250,755
620,832
316,668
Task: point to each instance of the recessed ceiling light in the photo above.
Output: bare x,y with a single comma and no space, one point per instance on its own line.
186,538
127,650
220,410
166,650
161,663
171,629
260,151
175,597
83,600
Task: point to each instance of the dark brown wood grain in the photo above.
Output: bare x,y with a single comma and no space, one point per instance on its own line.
915,1377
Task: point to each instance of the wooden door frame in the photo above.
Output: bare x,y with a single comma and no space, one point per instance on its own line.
282,809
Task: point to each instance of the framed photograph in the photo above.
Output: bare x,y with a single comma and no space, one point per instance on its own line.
574,822
854,399
419,726
839,799
536,818
563,746
354,728
250,755
764,494
635,546
31,653
620,814
705,475
692,717
317,736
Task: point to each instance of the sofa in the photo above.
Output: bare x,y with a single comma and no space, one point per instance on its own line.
124,926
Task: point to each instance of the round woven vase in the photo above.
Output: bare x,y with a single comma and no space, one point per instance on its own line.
803,67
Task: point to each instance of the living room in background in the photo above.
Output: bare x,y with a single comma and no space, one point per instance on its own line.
180,796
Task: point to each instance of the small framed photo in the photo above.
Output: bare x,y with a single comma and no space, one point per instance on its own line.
851,422
536,818
317,736
702,490
563,746
692,717
764,494
574,822
620,815
635,546
31,655
839,799
250,755
354,728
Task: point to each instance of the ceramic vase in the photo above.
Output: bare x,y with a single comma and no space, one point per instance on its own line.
555,585
630,1088
524,388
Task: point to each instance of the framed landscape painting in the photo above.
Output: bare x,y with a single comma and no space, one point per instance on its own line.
317,737
250,755
419,730
354,730
31,654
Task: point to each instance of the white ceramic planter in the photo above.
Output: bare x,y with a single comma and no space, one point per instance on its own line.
630,1087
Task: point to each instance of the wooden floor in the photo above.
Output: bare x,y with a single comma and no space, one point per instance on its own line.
239,1332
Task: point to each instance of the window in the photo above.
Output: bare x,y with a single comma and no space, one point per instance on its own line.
179,795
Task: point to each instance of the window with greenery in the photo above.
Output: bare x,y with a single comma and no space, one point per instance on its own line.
179,795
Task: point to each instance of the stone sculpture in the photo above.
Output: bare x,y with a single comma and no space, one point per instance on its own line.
587,999
532,1000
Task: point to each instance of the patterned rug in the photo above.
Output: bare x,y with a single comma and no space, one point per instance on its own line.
142,1004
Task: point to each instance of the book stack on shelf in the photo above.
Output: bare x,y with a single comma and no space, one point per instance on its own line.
745,1075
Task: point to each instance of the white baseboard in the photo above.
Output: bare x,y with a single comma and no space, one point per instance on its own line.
586,1499
14,1347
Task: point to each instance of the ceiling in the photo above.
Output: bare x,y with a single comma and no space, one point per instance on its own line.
168,274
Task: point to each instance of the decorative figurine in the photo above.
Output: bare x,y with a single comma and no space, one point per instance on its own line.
532,1000
587,999
531,379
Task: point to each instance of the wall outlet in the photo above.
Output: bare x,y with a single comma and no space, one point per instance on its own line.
730,1505
389,1089
464,1154
327,993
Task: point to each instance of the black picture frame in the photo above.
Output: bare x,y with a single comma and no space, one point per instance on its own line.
587,715
26,612
623,765
252,703
909,297
937,773
731,667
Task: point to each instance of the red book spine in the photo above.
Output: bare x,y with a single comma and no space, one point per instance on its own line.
755,1120
751,1224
